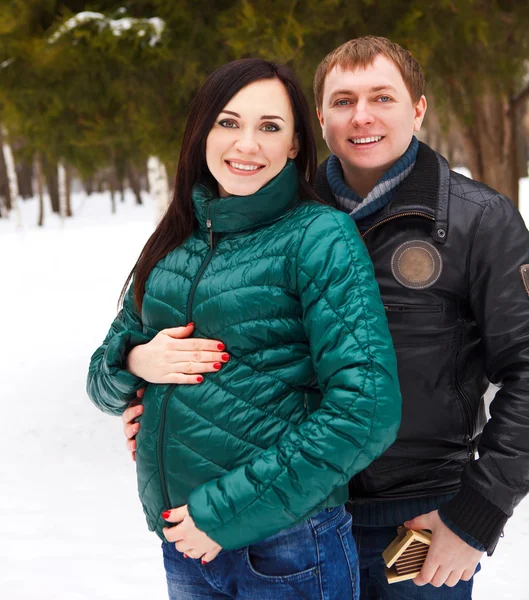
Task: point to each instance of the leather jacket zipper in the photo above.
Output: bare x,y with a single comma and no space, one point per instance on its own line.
464,402
405,214
163,412
417,308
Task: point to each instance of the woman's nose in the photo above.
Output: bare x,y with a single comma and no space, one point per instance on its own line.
247,145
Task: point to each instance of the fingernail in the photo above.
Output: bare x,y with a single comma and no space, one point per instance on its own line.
186,556
189,324
226,357
200,379
221,347
204,562
217,366
166,514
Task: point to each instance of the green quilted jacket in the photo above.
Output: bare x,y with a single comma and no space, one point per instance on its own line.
310,395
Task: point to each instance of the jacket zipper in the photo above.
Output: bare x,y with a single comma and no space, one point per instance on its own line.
464,402
418,308
405,214
161,430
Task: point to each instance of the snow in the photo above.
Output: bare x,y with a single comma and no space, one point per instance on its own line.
116,25
72,524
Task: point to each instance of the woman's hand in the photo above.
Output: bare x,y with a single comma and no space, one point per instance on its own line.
171,358
187,537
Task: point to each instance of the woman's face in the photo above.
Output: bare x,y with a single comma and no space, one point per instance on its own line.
252,138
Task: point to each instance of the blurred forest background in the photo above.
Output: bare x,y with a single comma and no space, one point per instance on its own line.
98,91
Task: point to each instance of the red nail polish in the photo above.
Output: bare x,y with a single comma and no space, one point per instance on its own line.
166,514
186,556
221,346
217,366
200,379
191,323
204,562
226,357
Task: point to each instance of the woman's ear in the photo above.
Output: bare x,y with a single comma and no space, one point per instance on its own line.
295,147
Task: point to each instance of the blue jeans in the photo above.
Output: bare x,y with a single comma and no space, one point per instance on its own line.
371,542
316,560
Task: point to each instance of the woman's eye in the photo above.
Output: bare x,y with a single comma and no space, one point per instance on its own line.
270,127
228,123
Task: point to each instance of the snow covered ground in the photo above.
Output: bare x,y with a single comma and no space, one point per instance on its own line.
70,521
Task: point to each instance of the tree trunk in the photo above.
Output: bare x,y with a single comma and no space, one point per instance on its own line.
25,179
11,177
40,189
88,185
5,196
134,182
68,170
491,144
61,178
50,176
158,184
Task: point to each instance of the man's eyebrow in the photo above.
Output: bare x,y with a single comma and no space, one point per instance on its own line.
376,88
380,88
344,92
263,118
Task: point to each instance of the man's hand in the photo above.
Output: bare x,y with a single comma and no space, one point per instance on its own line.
449,558
173,357
131,428
187,537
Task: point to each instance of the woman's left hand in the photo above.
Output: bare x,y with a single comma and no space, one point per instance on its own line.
187,537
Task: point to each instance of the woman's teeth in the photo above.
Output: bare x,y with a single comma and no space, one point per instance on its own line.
243,167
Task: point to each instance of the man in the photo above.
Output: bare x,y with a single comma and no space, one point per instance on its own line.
451,258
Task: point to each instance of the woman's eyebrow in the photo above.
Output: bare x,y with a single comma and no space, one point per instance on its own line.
264,117
272,117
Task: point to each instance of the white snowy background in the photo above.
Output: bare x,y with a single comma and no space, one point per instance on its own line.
71,525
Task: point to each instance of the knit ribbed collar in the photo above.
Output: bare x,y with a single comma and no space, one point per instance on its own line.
382,193
241,213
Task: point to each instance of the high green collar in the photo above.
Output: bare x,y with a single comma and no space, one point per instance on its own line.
240,213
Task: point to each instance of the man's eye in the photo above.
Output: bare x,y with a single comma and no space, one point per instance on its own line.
342,102
268,127
228,123
384,99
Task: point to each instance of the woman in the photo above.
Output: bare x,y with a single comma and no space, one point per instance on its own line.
253,459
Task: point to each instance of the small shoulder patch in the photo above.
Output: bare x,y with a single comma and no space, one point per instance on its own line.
524,272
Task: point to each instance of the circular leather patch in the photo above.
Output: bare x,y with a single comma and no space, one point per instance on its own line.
416,264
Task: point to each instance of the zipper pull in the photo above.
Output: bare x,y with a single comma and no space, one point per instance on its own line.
208,225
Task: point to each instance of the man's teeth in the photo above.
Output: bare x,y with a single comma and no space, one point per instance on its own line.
243,167
367,140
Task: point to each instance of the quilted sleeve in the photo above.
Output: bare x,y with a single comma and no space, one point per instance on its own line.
109,385
360,412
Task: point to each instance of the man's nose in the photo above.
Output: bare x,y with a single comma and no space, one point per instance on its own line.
362,115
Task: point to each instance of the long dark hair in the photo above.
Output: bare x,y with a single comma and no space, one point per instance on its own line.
218,89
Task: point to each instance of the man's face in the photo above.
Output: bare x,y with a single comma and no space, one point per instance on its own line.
367,116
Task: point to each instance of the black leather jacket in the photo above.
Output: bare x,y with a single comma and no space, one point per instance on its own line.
448,254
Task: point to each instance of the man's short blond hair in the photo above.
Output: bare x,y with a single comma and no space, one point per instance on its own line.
361,52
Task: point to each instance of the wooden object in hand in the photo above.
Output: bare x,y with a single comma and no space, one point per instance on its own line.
406,554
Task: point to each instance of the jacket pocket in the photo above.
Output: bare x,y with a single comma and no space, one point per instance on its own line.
413,308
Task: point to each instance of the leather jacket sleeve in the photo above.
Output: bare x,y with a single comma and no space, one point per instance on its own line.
495,483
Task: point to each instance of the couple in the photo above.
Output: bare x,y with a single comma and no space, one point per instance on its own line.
255,327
